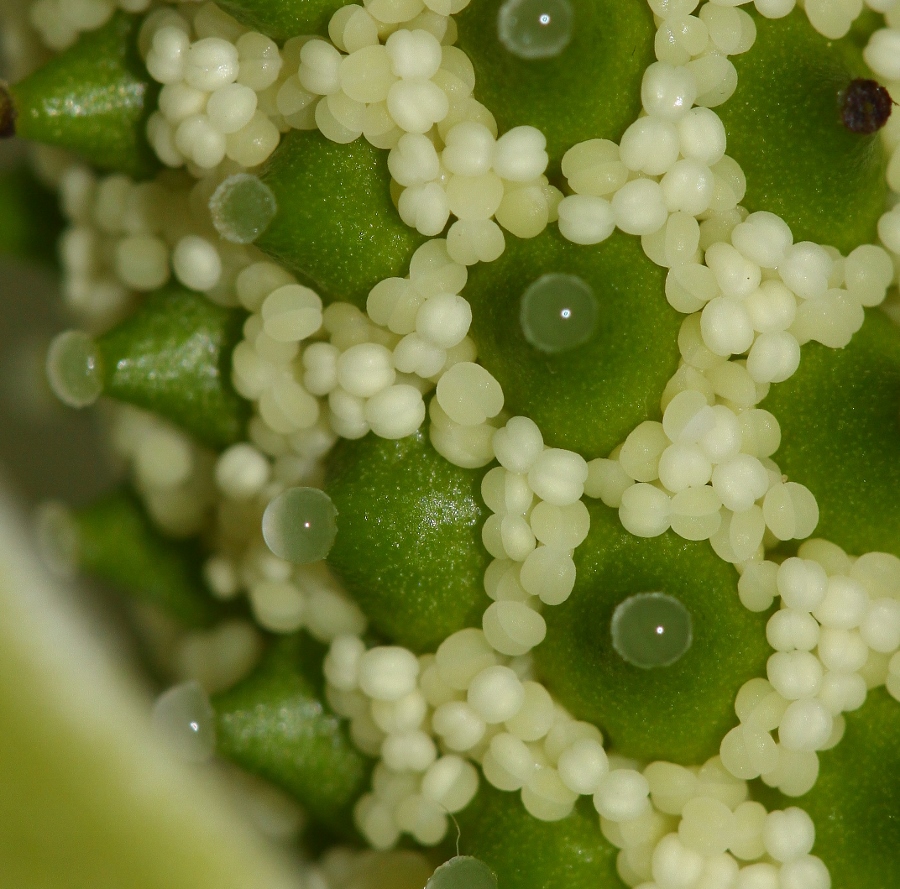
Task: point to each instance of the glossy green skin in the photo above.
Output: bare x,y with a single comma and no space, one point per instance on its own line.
526,853
589,398
118,543
336,227
276,724
840,435
855,803
599,73
784,130
173,357
408,546
678,713
30,221
93,99
281,19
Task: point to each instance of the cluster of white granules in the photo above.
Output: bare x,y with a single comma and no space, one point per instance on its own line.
128,237
836,635
438,722
299,363
60,22
672,159
213,71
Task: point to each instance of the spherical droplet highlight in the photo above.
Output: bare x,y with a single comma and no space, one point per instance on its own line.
535,29
558,312
463,872
184,718
242,208
299,525
73,369
651,630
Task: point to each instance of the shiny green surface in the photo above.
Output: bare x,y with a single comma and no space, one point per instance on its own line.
276,724
336,228
173,357
93,99
525,853
408,546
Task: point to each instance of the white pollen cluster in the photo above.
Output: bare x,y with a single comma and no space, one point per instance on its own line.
61,22
213,71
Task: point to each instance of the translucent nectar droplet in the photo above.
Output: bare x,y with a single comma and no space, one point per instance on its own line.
73,369
184,718
535,29
299,525
463,872
242,208
651,630
558,312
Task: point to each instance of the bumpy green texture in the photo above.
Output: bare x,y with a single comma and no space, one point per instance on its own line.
173,357
117,543
336,227
784,130
591,90
408,546
276,725
589,398
840,435
93,99
281,19
30,221
526,853
678,713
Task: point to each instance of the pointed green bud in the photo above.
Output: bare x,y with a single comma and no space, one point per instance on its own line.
276,724
115,541
425,505
93,99
281,19
173,357
524,852
30,222
336,227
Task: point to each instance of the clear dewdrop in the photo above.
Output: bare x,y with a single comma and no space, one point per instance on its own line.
184,718
558,312
651,630
242,208
462,872
299,525
535,29
73,369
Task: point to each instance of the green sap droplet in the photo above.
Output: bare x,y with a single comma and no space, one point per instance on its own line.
651,630
463,872
558,312
73,369
535,29
299,525
242,208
